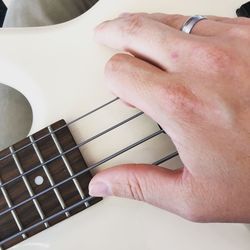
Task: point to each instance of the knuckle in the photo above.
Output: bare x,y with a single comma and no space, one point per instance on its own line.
213,57
179,100
135,189
175,19
242,20
240,31
132,24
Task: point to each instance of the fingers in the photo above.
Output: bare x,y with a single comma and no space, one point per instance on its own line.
150,89
206,27
155,185
136,82
143,37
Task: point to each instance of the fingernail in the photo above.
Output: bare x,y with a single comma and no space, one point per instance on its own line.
99,189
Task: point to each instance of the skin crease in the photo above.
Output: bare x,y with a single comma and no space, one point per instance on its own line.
197,87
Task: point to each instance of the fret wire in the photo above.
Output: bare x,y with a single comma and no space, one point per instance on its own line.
13,213
51,181
131,146
64,126
66,162
77,146
166,158
54,216
27,184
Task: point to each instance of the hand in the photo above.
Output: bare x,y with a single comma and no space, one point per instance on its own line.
197,87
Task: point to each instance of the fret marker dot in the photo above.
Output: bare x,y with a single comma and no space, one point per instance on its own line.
39,180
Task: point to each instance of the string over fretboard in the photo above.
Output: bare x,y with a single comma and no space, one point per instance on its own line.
38,212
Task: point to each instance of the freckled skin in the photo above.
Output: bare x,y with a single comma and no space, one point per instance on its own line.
197,88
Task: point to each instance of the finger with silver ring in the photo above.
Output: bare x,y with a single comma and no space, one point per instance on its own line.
205,28
191,22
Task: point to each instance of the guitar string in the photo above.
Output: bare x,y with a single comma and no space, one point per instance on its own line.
92,138
26,230
166,158
64,126
73,148
68,209
93,166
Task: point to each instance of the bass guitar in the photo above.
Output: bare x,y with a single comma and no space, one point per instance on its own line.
82,128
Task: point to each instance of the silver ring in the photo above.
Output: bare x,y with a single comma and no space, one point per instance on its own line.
191,22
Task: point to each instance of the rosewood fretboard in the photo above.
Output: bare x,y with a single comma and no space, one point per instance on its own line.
38,212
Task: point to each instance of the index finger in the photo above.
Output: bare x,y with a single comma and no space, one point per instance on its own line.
145,38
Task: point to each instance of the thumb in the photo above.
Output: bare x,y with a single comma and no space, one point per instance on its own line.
155,185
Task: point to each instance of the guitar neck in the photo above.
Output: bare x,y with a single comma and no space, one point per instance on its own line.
37,183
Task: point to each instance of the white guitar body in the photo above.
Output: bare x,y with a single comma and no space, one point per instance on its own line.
60,71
